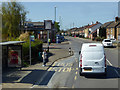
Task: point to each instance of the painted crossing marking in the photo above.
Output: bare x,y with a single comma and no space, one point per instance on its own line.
60,70
61,67
50,69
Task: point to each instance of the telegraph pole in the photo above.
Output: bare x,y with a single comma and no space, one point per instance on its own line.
55,13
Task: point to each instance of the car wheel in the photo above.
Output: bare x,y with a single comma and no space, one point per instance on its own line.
105,74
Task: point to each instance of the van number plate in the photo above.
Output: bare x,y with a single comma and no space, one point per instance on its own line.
87,69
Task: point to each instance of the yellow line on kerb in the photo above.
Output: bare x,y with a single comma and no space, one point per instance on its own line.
76,72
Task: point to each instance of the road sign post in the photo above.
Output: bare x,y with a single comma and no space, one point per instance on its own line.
31,39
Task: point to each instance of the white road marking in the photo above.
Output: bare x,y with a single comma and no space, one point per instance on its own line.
114,69
109,62
117,72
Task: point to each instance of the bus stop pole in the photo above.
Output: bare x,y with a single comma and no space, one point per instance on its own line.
30,50
48,39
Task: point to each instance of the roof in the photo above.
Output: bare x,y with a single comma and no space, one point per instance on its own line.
118,26
106,24
90,26
11,42
113,24
36,23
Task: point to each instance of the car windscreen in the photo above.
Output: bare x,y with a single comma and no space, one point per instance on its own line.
107,41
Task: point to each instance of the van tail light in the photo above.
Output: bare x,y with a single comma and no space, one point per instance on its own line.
81,60
105,60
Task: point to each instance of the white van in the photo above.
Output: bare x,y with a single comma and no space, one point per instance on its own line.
92,59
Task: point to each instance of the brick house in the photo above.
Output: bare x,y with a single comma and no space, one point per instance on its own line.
102,31
111,30
118,32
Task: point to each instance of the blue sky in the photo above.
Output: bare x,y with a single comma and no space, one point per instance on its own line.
79,13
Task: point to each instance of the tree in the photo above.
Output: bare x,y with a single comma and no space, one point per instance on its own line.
13,18
57,26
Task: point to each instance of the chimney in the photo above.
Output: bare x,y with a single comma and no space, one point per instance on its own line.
116,19
96,22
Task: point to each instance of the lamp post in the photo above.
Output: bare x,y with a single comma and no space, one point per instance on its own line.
55,13
54,31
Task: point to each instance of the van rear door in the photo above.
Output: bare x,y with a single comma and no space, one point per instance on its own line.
93,56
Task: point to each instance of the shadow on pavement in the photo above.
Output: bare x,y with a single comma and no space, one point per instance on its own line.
9,75
112,72
47,78
50,54
111,47
36,75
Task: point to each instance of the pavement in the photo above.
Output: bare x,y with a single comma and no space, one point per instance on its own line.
27,77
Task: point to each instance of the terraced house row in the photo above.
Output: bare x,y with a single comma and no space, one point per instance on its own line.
109,30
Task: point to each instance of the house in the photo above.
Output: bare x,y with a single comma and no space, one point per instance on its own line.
118,32
111,30
86,30
102,31
91,30
81,32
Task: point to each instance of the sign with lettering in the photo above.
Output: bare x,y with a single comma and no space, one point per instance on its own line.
32,38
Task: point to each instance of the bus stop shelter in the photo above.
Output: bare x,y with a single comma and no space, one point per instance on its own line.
11,54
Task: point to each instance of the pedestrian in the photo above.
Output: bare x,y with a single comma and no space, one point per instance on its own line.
44,56
49,41
70,51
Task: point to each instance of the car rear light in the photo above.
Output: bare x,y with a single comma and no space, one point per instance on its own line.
92,45
81,60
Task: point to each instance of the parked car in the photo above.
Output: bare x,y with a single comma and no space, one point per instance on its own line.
113,40
107,43
92,59
62,38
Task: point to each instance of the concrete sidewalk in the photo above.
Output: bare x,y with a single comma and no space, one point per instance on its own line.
28,76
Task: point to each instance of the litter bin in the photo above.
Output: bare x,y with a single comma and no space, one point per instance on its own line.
40,57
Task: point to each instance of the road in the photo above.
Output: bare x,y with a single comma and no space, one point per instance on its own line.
66,74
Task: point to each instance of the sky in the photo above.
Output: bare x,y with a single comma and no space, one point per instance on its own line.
72,14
